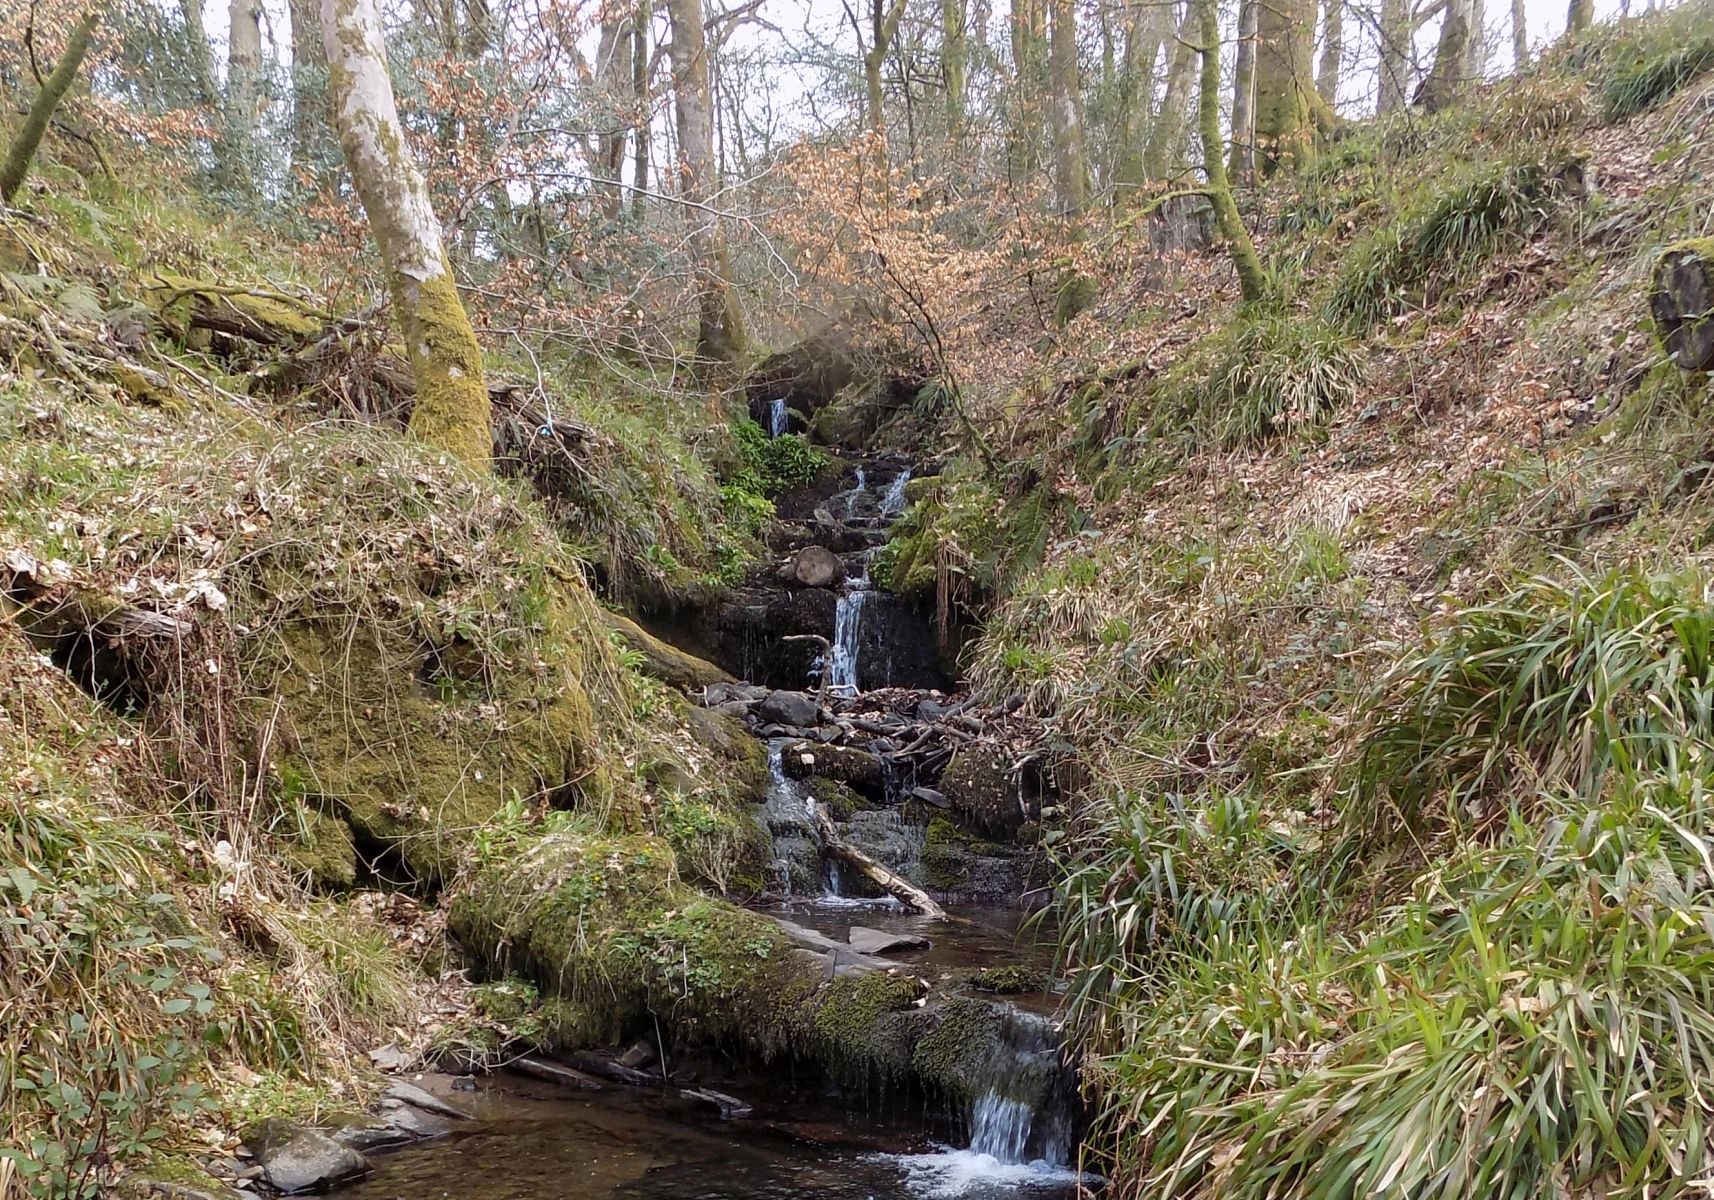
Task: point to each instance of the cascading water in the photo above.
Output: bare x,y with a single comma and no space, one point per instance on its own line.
893,499
777,417
855,494
847,623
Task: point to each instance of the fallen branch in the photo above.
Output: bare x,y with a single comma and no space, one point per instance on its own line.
890,881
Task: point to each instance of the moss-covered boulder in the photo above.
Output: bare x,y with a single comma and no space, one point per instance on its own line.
846,764
982,787
1683,303
320,845
662,660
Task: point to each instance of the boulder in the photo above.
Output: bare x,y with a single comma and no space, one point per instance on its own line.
789,708
817,567
663,661
1683,303
859,768
865,940
296,1159
416,1097
980,785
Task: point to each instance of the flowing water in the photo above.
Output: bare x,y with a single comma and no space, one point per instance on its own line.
893,499
777,417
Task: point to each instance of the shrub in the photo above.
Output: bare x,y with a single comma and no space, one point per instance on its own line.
1641,85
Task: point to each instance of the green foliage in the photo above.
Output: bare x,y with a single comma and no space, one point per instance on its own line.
775,465
1640,85
1558,684
1429,247
1281,375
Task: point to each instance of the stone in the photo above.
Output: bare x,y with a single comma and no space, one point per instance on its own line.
389,1058
979,783
416,1097
817,567
663,661
639,1055
1683,303
789,708
929,795
296,1159
182,1191
558,1073
865,940
375,1135
858,768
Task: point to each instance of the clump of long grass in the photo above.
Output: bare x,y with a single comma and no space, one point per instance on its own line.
1281,376
1431,245
1641,85
1562,681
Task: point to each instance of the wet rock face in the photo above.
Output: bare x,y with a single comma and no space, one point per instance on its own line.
982,787
746,633
897,646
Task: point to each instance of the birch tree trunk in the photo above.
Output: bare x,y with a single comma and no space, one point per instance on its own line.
1476,49
1252,283
452,411
1166,136
1243,160
243,92
1070,165
1332,50
720,323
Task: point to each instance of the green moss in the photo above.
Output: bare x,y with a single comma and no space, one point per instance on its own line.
954,1056
1011,980
662,660
452,410
1075,293
864,1024
945,868
837,799
320,845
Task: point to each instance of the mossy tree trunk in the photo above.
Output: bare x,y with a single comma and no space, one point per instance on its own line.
1166,136
1446,78
1029,66
452,408
1520,36
1145,29
1332,50
955,62
613,81
1285,97
644,101
1242,162
310,114
720,322
1579,16
243,94
198,52
1070,163
884,18
1395,35
22,152
1252,283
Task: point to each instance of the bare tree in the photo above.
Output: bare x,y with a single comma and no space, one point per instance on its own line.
243,91
22,152
1243,159
452,408
1070,165
1166,135
1252,283
1332,50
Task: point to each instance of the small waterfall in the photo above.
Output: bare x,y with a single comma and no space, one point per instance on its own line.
847,623
893,499
855,494
1000,1128
777,417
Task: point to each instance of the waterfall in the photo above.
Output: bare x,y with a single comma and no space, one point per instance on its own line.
893,500
855,494
777,417
1000,1128
847,622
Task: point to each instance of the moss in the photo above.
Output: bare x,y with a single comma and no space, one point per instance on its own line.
1011,980
864,1025
321,847
954,1056
267,315
662,660
980,785
1075,293
837,799
452,410
945,868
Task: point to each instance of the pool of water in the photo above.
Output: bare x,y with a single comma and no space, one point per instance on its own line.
534,1142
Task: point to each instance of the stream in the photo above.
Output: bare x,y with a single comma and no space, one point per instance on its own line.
806,1136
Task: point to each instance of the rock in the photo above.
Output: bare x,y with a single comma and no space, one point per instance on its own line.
374,1135
979,783
789,708
559,1073
731,1108
858,768
663,661
818,567
878,941
806,376
416,1097
930,710
929,796
389,1058
742,766
296,1159
181,1191
1683,303
639,1055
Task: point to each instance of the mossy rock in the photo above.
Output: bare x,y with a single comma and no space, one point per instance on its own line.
1075,293
661,660
417,762
954,1056
742,760
837,799
321,846
982,788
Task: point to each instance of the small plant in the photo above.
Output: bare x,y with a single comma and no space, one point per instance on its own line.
1281,376
775,465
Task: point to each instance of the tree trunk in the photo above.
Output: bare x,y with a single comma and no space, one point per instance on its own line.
1332,50
1580,16
452,407
1446,78
890,881
1243,160
1252,284
198,51
613,83
309,87
954,63
1029,66
1520,36
243,91
1070,167
884,18
720,322
1166,137
1145,29
644,101
22,152
1476,48
1395,56
1285,112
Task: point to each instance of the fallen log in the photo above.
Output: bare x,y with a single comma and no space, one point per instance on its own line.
890,881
